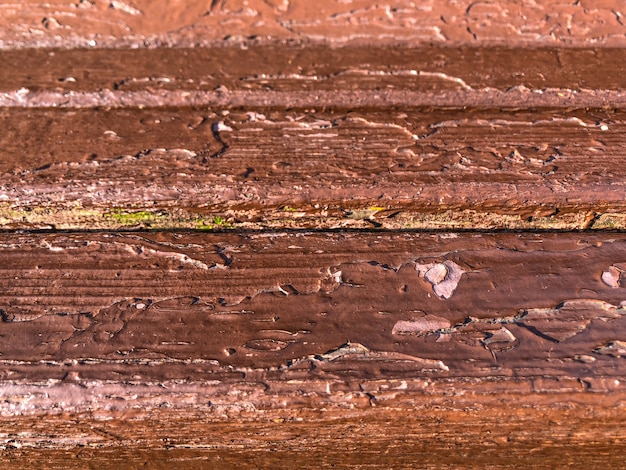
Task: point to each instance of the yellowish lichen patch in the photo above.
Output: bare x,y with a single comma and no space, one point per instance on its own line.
106,218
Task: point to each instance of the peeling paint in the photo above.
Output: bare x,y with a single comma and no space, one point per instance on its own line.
615,348
421,325
444,277
612,276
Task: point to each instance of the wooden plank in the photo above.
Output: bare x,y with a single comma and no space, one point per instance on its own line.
153,23
362,150
144,347
418,312
411,68
460,435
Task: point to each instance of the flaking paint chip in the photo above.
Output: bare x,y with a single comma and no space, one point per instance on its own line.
437,274
421,325
613,348
611,276
444,277
503,335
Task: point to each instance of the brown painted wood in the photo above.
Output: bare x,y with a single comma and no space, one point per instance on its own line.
496,343
153,23
397,138
272,233
412,310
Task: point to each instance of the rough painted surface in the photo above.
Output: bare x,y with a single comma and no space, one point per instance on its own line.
254,348
387,168
139,23
353,313
297,292
313,137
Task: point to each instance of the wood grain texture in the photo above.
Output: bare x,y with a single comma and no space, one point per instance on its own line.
141,23
451,434
207,323
343,234
397,138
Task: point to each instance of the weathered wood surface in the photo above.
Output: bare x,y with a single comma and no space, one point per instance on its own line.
313,137
451,433
141,23
292,246
186,345
350,312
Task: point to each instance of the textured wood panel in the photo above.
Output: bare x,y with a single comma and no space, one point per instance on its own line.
396,138
140,23
353,313
273,233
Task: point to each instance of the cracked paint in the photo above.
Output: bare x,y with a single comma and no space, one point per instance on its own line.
444,277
